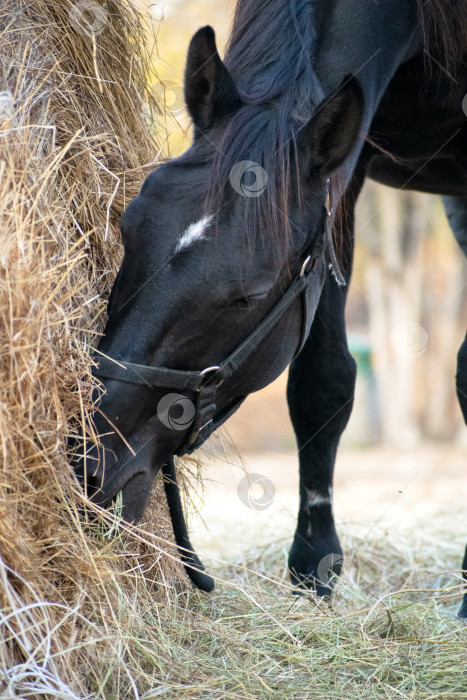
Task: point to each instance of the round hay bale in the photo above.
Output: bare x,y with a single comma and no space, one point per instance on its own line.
75,145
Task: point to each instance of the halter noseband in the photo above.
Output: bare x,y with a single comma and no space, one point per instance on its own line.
207,382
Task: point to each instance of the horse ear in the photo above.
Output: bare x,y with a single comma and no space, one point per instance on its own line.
210,91
331,134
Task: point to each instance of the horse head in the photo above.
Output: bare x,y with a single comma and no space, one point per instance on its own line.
213,244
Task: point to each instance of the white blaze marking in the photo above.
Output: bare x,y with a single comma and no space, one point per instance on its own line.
194,232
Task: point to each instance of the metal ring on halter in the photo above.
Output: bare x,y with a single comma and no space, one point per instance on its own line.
207,371
304,266
214,368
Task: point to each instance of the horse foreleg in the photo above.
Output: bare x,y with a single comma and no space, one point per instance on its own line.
320,395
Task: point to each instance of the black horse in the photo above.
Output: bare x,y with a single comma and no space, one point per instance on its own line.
225,279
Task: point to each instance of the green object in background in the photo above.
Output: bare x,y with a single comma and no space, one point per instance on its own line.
365,423
360,349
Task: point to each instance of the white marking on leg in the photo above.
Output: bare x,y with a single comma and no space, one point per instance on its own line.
194,232
317,499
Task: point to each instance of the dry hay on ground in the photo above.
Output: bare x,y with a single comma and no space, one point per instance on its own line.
391,632
75,144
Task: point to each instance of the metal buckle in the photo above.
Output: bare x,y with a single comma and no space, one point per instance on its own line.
304,266
328,202
193,437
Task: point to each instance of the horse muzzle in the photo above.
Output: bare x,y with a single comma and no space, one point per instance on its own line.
116,466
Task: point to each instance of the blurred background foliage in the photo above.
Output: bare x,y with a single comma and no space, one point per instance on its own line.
407,310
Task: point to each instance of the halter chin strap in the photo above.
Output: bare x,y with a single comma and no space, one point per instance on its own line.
206,383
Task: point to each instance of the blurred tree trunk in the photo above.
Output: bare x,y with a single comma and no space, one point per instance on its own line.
447,327
394,290
414,281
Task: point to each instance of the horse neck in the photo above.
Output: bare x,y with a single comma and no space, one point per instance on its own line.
367,39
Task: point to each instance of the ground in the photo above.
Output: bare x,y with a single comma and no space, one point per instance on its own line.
391,631
374,488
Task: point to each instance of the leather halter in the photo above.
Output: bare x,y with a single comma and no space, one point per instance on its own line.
206,383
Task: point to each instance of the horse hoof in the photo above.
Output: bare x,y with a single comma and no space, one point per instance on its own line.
317,573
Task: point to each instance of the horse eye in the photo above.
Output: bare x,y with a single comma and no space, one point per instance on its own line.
247,302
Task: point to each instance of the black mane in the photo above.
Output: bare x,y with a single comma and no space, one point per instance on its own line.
270,56
444,24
